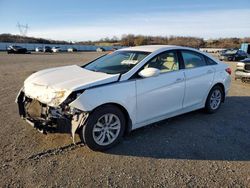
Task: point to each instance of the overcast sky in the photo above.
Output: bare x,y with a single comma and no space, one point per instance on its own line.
80,20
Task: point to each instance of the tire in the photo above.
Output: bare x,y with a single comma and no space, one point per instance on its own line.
215,94
104,128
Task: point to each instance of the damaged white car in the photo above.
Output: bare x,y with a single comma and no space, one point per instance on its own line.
122,91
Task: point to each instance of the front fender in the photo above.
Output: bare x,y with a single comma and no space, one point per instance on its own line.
121,93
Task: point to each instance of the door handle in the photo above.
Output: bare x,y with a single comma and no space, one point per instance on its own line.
210,71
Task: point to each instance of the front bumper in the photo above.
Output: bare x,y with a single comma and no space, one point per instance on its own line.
243,75
40,116
46,119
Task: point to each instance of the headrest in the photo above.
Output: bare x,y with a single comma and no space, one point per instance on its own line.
170,59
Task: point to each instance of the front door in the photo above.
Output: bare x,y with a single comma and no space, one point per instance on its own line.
163,94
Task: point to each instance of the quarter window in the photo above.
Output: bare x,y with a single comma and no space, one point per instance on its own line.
192,59
210,61
165,62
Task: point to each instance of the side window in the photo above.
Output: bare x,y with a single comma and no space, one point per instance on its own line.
242,53
165,62
210,61
192,59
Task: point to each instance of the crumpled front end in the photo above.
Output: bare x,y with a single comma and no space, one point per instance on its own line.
45,94
47,118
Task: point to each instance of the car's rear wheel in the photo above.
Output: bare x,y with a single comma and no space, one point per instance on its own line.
214,99
104,128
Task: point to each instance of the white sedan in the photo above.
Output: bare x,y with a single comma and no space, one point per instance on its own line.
123,91
56,49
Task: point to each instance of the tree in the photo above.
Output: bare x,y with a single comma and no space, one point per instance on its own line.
141,40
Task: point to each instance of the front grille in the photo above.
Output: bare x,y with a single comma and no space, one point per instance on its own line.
247,66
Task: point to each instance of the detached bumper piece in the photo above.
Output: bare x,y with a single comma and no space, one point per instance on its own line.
47,119
42,128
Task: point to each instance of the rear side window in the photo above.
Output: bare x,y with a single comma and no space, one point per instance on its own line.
192,59
242,53
210,61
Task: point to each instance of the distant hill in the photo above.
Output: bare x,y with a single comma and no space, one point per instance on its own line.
135,40
21,39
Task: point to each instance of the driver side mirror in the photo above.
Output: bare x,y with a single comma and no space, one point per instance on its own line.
149,72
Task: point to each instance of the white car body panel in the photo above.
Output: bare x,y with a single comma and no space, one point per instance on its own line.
56,49
156,93
41,85
146,100
221,76
121,93
198,83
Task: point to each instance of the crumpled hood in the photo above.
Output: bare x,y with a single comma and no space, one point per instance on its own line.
43,84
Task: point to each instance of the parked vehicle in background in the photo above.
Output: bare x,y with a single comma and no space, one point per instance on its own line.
211,50
39,49
114,49
47,49
242,71
72,49
245,47
100,49
16,50
233,55
123,91
222,52
56,49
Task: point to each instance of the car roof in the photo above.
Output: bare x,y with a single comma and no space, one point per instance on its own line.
153,48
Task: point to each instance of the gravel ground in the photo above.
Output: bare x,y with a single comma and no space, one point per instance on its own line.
191,150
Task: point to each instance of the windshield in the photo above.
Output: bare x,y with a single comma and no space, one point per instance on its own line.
17,47
231,52
118,62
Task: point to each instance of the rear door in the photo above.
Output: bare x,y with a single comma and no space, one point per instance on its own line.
199,77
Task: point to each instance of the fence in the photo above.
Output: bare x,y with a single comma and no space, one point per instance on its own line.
64,47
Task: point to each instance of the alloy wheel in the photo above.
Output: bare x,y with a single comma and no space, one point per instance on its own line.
215,99
106,129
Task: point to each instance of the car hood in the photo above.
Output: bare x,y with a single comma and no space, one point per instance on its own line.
52,86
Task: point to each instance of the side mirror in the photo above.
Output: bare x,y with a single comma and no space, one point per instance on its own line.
149,72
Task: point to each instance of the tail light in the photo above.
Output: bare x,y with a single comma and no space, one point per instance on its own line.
228,70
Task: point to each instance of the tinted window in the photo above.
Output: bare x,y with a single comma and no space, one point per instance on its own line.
210,61
192,59
17,47
165,62
231,52
118,62
242,53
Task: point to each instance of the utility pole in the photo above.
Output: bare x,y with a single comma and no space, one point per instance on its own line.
23,29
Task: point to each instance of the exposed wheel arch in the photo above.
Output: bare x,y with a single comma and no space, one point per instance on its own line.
223,89
214,99
100,124
128,127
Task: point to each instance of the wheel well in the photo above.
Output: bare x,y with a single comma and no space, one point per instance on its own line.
128,127
223,89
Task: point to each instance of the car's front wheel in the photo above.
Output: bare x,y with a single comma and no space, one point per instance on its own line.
214,99
104,128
